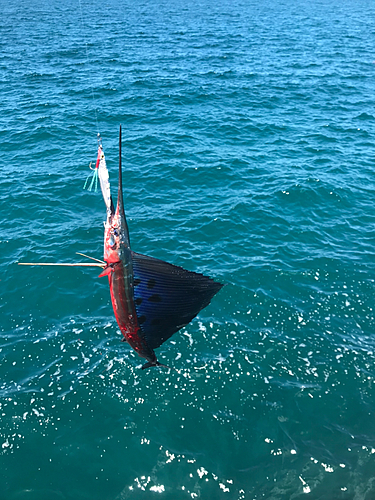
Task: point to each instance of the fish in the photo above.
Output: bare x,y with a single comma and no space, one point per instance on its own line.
151,299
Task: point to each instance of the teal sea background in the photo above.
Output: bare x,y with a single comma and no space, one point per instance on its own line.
248,155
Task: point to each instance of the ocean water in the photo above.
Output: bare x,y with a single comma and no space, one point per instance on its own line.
248,154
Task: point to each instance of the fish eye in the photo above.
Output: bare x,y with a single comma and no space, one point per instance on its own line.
115,232
111,241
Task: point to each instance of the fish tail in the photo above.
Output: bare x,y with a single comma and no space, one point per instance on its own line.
155,363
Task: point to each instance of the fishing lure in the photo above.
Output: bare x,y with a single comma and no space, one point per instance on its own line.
100,172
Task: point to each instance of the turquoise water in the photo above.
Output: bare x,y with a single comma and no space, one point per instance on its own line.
248,153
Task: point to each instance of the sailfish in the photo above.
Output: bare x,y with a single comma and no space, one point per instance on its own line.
151,299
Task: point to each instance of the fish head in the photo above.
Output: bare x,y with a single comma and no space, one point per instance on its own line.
116,232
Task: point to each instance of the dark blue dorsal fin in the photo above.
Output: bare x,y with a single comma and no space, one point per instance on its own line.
167,297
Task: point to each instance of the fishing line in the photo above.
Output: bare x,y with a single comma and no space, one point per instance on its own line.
87,61
92,179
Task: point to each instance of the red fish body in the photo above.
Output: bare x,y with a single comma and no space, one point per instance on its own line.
117,255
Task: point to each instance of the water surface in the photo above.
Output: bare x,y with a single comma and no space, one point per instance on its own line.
248,133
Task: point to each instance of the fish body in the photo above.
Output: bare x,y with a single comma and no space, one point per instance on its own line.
151,299
118,257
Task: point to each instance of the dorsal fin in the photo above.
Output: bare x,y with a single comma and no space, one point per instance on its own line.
167,297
